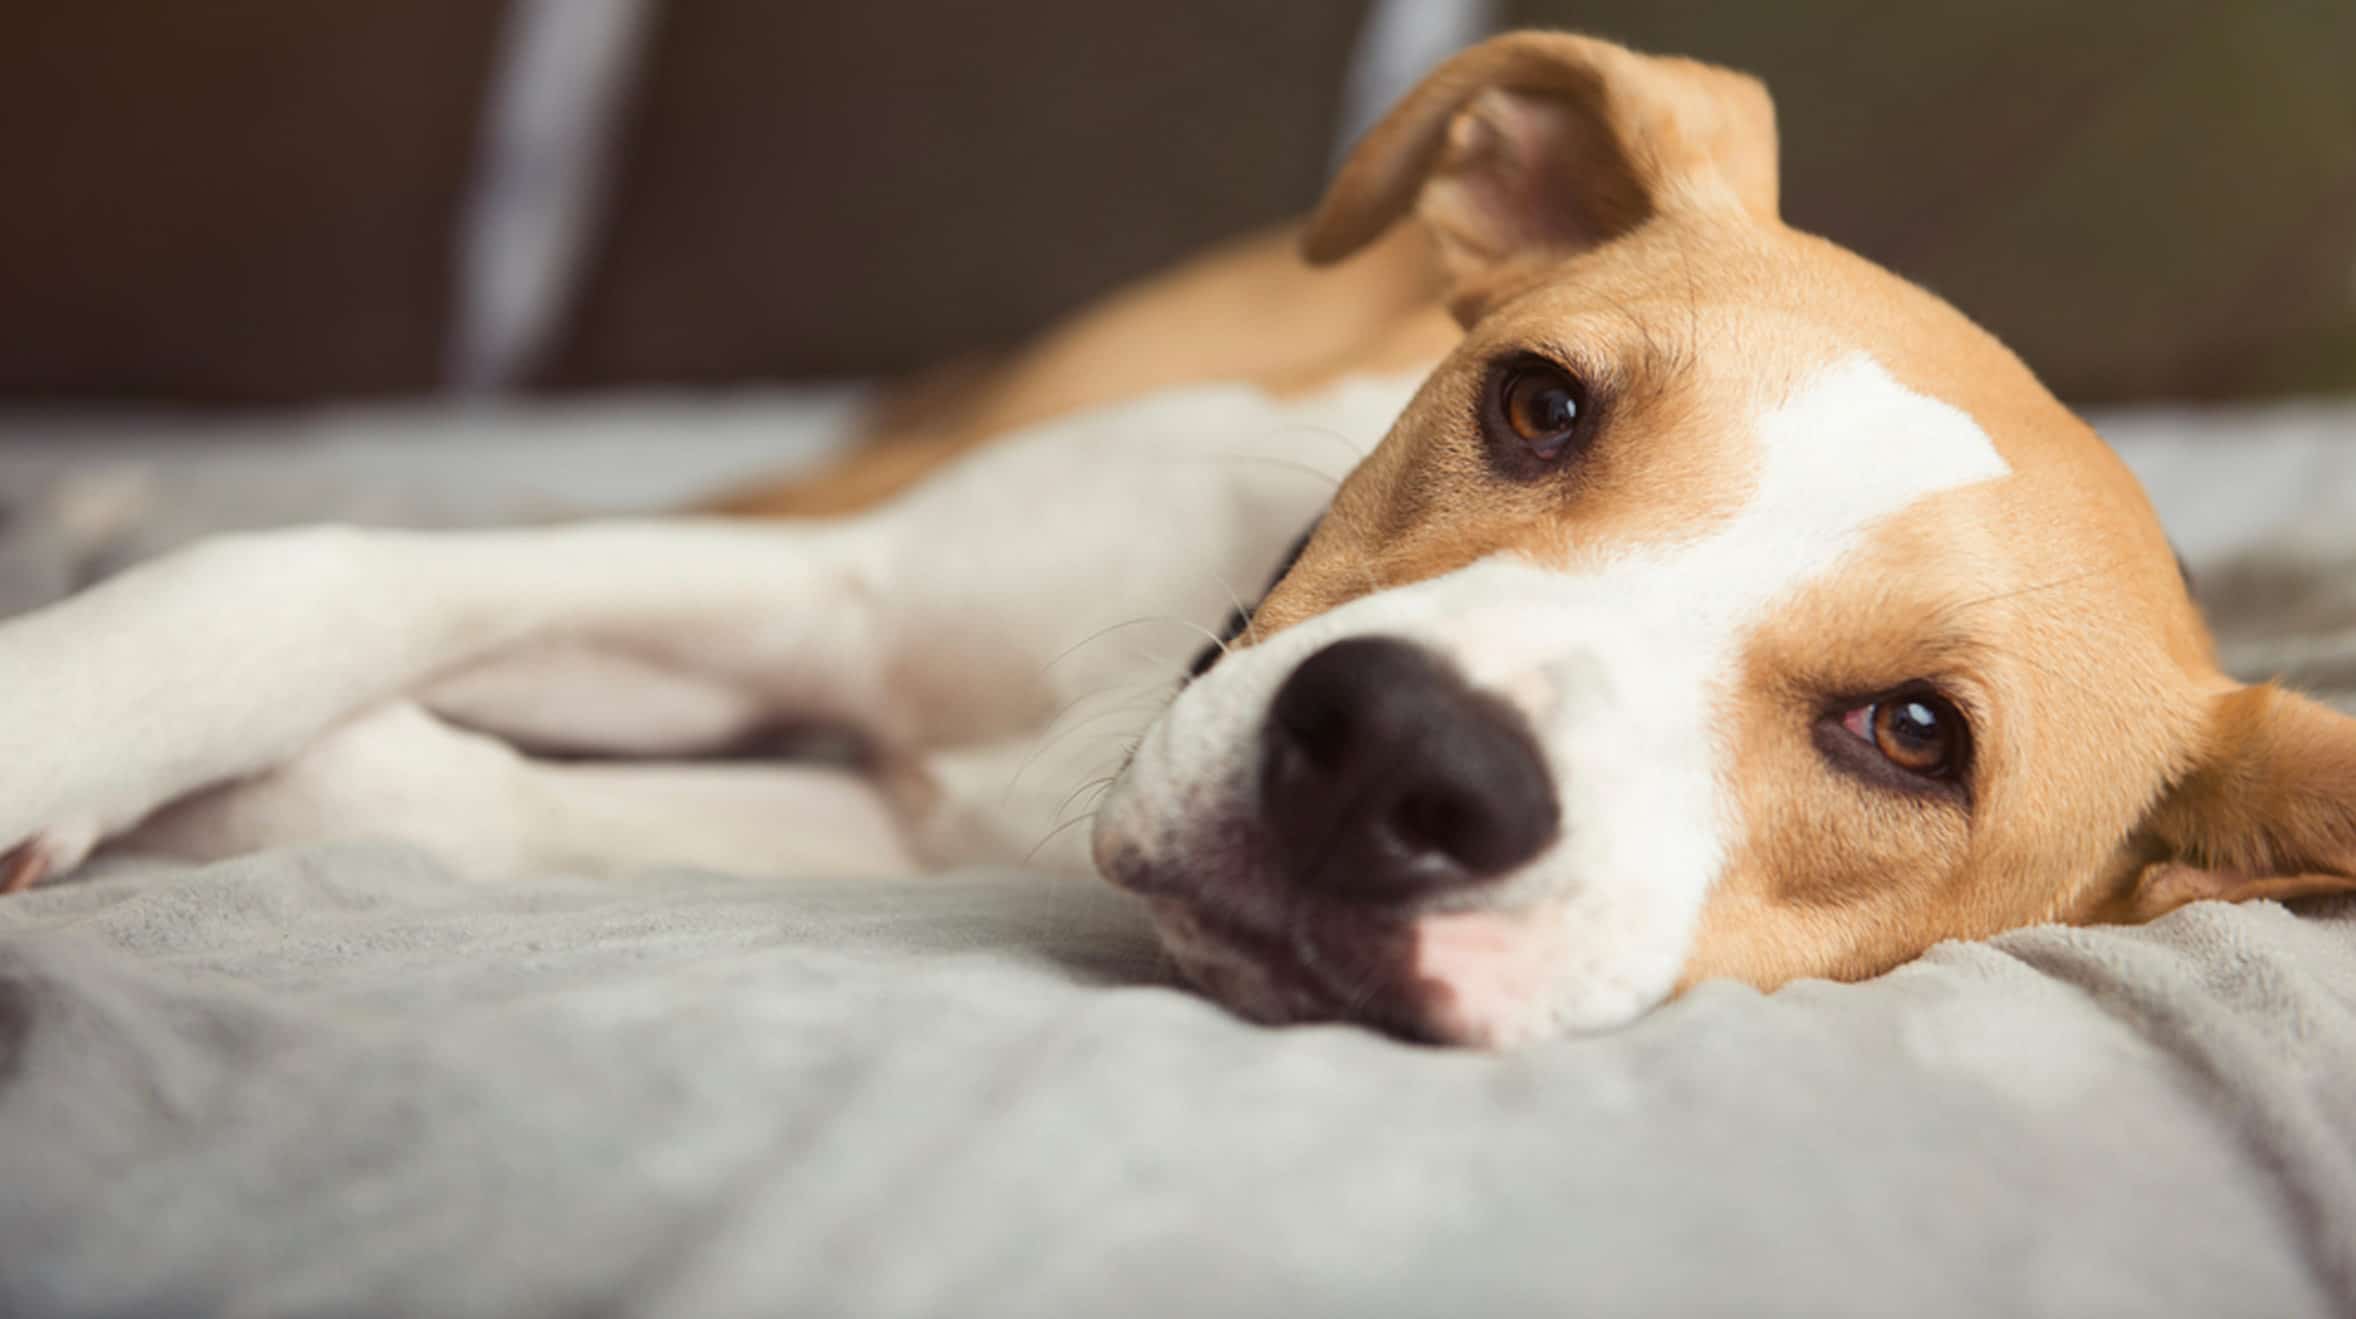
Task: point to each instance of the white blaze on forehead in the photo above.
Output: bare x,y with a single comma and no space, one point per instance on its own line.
1624,670
1849,448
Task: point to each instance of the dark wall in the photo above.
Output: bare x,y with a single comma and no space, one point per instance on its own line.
231,200
841,188
252,200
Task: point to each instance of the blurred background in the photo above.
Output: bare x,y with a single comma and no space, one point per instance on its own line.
244,203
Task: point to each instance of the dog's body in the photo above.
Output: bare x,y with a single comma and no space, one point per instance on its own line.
1717,604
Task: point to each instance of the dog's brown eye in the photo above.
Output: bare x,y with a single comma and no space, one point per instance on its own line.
1542,406
1919,733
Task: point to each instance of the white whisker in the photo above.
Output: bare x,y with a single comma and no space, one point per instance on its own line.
1037,847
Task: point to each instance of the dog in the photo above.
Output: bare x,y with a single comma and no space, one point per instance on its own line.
1713,604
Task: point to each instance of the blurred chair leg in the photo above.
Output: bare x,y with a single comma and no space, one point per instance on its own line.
550,121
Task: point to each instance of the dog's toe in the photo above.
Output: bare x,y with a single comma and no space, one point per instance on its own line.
25,865
44,856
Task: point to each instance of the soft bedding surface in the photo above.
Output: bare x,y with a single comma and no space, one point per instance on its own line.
341,1081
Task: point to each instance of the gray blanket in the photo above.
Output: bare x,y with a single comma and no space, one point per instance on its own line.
341,1081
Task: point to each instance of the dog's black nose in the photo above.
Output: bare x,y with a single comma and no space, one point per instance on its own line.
1384,775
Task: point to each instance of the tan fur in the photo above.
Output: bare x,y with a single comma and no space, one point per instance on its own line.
1483,153
2051,596
2268,811
1617,212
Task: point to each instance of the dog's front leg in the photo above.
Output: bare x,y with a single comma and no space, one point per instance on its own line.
1033,576
231,657
485,810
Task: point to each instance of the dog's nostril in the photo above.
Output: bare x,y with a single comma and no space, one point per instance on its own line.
1434,822
1385,775
1319,731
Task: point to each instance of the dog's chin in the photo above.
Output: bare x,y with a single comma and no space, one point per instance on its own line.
1313,967
1299,961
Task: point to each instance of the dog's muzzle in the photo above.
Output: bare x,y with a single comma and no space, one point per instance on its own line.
1387,790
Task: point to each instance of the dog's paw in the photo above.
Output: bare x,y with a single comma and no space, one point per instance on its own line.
46,855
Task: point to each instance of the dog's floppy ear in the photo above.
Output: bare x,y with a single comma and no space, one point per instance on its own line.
1541,143
2269,812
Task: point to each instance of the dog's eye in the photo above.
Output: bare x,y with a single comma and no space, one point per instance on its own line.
1919,732
1542,407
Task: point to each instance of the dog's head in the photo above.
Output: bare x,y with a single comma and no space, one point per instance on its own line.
1722,606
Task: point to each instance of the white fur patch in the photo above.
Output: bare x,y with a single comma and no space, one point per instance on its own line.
1625,671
